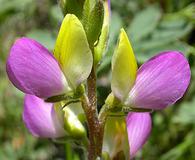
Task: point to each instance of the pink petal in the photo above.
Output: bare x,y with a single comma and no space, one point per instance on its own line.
41,119
34,70
161,81
138,127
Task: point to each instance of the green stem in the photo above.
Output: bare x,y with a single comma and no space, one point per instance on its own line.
68,151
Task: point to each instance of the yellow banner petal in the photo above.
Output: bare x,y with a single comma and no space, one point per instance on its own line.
72,51
124,67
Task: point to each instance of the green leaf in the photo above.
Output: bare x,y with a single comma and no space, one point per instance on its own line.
186,113
144,23
10,7
164,37
56,15
72,51
13,5
44,37
180,149
171,32
154,47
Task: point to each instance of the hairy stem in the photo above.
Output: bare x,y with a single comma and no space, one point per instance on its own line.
89,104
91,127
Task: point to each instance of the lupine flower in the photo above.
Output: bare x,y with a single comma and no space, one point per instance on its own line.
47,120
124,136
158,83
34,70
41,74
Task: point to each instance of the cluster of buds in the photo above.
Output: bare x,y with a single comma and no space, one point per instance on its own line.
60,86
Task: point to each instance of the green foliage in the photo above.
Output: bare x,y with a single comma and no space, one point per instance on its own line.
144,23
45,37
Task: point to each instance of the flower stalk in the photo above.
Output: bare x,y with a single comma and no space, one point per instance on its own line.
95,127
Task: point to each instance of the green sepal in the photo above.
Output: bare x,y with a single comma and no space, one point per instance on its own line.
72,96
116,108
64,97
113,103
127,109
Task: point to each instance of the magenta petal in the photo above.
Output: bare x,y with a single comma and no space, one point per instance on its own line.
138,127
41,119
34,70
109,6
161,81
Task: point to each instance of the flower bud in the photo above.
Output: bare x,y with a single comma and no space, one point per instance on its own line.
101,47
115,138
72,124
93,20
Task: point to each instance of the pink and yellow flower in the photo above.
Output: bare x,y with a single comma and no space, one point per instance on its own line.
158,83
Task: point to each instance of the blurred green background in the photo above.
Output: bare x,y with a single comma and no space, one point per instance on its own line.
152,26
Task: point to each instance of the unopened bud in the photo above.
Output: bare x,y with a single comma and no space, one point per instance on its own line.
101,47
72,124
93,21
